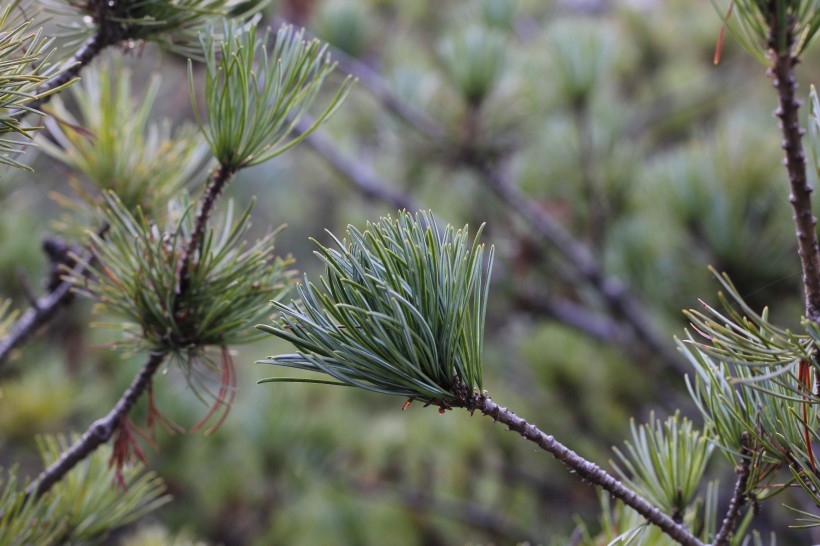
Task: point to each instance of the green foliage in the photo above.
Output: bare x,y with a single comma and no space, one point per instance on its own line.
622,526
474,60
81,509
665,461
344,26
581,54
91,497
254,100
175,25
748,380
135,278
115,145
400,310
748,21
25,63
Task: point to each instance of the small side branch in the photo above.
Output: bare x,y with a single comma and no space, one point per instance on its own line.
783,79
213,190
99,432
587,470
40,313
739,494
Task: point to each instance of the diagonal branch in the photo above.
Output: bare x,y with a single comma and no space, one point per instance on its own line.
361,175
99,432
739,494
585,469
87,52
37,315
614,292
595,325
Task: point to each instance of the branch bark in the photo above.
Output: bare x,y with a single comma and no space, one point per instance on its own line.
585,469
739,494
783,79
38,315
99,432
221,177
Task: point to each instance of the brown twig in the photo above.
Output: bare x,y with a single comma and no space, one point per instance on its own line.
99,432
40,313
87,52
739,494
221,177
585,469
783,79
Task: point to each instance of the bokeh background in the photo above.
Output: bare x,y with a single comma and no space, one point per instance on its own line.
610,115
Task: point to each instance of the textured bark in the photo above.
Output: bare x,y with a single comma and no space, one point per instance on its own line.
783,79
585,469
99,432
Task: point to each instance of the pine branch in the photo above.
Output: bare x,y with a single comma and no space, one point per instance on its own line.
82,58
614,292
585,469
595,325
99,432
739,494
44,309
783,79
38,315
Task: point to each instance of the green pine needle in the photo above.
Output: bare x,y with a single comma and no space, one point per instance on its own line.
254,98
135,280
400,310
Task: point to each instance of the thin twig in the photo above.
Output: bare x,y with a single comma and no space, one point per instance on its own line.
739,494
585,469
221,177
365,180
87,52
99,432
614,293
783,79
40,313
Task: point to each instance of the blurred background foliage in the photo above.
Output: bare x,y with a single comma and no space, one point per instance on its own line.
610,115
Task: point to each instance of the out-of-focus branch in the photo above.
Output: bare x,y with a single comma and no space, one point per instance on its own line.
595,325
87,52
614,293
40,313
99,432
361,175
